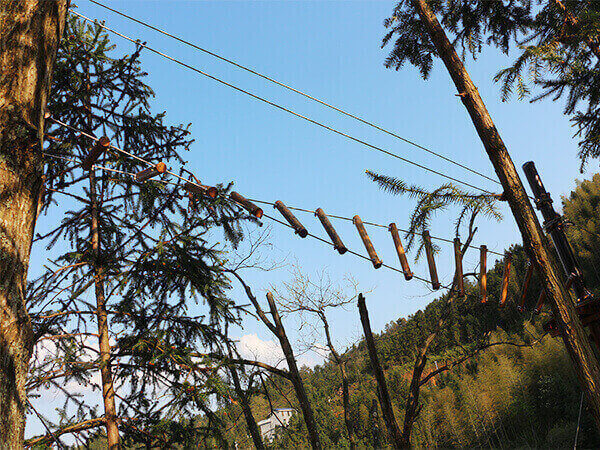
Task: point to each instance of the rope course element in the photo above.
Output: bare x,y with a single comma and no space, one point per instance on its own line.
283,108
297,91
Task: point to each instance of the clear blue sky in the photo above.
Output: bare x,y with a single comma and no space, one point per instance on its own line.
332,50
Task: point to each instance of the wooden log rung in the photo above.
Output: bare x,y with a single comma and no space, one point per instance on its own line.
151,172
367,242
483,273
505,280
335,239
200,189
458,273
292,220
435,282
97,149
526,281
400,251
246,204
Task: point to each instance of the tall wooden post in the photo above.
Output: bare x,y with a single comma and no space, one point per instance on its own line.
575,339
30,31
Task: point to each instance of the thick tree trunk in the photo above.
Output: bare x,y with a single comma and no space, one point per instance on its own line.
295,377
29,36
108,392
384,396
534,241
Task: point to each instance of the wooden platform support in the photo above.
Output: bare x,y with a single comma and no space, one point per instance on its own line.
367,242
292,220
458,272
335,239
97,149
400,251
246,204
540,303
505,280
150,172
526,281
435,282
208,191
483,273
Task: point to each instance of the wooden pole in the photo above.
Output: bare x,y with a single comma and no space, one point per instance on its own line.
246,204
435,282
367,242
400,251
525,286
337,242
458,267
483,273
505,280
535,244
292,220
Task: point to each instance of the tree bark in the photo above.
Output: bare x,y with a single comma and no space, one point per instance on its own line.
384,396
295,377
534,241
30,31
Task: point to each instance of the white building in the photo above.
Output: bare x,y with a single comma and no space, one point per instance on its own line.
279,418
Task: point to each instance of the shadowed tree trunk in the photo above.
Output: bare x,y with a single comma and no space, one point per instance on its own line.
575,338
30,31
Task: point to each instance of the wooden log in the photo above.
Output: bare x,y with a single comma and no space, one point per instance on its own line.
435,282
458,273
400,250
335,239
151,172
525,286
367,242
505,280
97,149
200,189
483,273
292,220
540,302
246,204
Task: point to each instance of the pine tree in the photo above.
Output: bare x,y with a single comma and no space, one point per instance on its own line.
145,248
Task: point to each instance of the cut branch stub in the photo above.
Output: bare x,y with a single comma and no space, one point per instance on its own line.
505,280
200,189
458,274
400,250
335,239
246,204
483,273
540,302
525,286
292,220
435,282
151,172
367,242
97,149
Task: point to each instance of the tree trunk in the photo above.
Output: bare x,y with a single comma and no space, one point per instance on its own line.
384,396
295,377
534,241
30,31
108,392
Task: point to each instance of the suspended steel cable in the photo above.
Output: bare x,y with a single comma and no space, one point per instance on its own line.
297,91
282,108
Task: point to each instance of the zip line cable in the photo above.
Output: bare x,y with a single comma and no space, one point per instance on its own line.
297,91
264,202
282,108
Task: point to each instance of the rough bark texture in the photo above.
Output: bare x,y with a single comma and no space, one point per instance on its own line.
29,36
295,377
108,391
384,396
574,336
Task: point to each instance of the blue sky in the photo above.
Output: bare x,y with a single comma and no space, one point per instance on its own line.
332,51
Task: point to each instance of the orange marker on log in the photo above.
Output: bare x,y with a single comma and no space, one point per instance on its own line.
505,277
526,281
200,189
151,172
435,282
367,242
400,250
458,274
337,242
97,149
246,204
292,220
483,273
